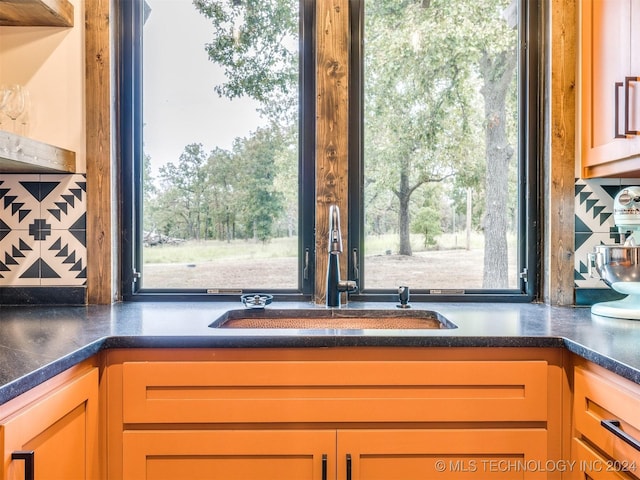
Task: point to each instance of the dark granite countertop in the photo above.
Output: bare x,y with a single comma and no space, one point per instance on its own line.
37,343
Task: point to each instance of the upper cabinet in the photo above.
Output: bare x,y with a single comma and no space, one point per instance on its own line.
36,13
610,100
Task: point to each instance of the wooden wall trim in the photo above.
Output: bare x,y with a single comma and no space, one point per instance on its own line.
560,154
332,130
100,233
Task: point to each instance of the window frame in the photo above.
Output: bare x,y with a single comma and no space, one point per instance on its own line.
529,198
129,42
129,18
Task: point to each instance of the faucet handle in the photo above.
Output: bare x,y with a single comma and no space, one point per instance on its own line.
348,286
256,300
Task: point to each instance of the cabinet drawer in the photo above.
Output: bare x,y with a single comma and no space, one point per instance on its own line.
598,399
591,465
341,391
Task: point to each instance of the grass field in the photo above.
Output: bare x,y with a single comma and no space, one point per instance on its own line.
256,265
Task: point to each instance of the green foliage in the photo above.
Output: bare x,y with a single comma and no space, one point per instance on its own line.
437,80
261,203
256,43
431,70
426,221
223,195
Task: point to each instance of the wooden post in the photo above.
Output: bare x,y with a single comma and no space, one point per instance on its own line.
100,205
559,164
332,130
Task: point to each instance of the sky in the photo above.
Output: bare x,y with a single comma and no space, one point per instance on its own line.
180,105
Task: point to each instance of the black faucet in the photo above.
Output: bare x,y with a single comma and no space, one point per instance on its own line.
335,286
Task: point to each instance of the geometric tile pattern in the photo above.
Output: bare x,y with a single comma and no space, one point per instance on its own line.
594,223
43,230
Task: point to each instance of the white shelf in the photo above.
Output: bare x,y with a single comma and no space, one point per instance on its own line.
24,155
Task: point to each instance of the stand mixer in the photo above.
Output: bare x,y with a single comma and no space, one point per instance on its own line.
619,265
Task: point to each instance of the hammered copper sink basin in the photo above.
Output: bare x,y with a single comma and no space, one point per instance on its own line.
312,319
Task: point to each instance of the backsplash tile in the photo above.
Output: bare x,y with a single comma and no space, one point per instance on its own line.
594,223
19,265
43,230
19,204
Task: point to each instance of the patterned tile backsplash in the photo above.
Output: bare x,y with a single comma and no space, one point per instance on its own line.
43,230
594,223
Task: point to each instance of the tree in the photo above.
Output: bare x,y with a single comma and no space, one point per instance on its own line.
184,189
419,126
424,111
497,72
256,42
261,204
223,196
437,98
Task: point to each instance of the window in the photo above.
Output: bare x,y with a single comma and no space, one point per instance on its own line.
446,96
217,114
218,128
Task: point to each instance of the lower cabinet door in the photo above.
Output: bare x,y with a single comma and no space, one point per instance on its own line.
229,454
442,454
55,437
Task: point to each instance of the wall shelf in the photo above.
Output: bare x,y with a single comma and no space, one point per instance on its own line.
24,155
36,13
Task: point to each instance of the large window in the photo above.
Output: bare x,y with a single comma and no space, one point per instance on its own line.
218,127
447,145
217,118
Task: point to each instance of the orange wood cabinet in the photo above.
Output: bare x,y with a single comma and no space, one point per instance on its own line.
57,426
229,454
610,92
321,413
606,442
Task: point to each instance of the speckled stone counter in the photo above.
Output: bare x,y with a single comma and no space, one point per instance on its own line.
37,343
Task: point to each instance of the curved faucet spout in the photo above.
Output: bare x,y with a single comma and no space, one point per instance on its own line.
334,285
335,233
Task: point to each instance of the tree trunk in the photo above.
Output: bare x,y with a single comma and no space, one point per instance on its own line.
404,221
497,73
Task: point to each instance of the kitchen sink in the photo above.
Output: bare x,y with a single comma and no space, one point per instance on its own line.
317,319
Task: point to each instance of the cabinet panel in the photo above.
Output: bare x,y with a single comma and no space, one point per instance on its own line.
61,429
325,391
441,454
592,466
609,51
229,455
597,399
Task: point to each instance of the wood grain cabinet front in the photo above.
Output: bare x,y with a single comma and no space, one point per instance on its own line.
610,92
54,435
334,414
606,441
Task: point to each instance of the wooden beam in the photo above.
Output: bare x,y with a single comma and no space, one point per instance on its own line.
332,129
100,242
560,155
